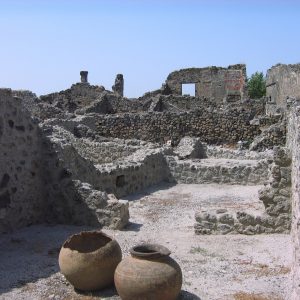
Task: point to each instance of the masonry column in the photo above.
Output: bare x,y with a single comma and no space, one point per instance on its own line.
84,76
118,87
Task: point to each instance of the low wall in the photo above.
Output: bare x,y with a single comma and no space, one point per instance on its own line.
275,195
128,174
223,171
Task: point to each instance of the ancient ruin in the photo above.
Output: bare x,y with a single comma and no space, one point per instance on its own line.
72,157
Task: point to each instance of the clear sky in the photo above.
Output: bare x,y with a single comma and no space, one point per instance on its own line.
45,43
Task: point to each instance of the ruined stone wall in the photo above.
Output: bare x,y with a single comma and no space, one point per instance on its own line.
21,172
134,174
283,82
274,134
212,127
225,152
275,196
126,175
293,142
245,172
35,185
97,151
213,82
78,96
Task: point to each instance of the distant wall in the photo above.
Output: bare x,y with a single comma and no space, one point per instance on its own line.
213,82
213,127
283,81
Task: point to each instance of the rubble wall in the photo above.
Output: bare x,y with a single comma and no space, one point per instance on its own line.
36,186
222,171
212,127
275,195
21,172
126,175
293,142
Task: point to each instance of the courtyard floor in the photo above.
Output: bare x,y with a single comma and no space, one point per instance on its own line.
215,267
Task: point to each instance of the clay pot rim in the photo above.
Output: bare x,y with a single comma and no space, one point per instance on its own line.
100,232
150,251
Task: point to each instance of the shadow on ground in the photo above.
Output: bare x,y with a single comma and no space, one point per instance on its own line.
150,190
131,226
31,253
185,295
111,293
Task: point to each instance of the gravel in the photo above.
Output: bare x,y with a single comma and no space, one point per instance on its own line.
214,267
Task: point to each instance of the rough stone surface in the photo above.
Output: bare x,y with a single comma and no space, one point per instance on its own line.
275,195
118,87
213,82
36,186
229,171
282,84
211,127
115,167
270,136
190,147
294,146
21,173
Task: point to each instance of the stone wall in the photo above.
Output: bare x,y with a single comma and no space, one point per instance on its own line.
213,82
274,134
35,185
223,171
21,172
293,142
225,152
128,174
283,82
213,127
275,195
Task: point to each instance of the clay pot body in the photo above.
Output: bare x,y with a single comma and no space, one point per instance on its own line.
88,260
149,274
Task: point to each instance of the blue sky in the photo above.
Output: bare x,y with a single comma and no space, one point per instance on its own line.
45,43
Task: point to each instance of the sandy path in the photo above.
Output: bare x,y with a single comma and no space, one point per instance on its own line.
214,267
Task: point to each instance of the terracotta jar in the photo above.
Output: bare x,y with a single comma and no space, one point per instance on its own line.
88,260
148,274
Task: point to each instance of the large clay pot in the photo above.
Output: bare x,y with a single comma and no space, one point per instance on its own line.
148,274
88,260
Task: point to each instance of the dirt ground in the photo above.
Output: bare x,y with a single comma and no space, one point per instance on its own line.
214,267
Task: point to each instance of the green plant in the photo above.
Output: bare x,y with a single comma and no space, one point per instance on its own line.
257,85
